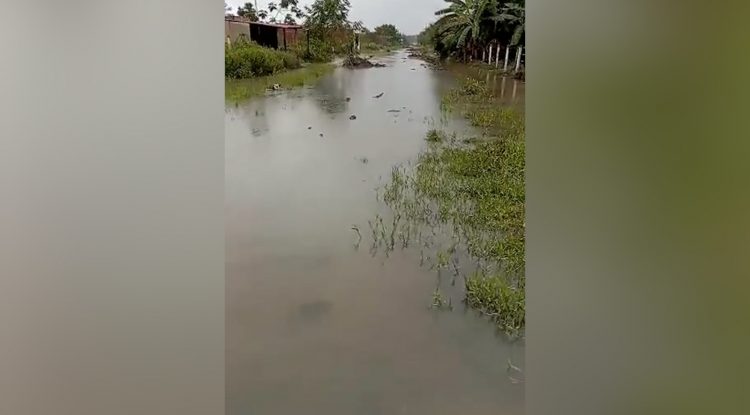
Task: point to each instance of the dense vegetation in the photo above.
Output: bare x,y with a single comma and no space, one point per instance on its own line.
465,27
382,37
326,23
245,59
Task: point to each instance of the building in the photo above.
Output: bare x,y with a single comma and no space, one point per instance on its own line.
271,35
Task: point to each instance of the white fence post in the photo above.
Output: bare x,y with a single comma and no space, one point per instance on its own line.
490,57
507,55
484,52
518,58
497,57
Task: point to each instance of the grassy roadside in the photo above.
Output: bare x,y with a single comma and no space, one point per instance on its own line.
471,192
236,90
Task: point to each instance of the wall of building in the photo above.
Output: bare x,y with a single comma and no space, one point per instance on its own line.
235,29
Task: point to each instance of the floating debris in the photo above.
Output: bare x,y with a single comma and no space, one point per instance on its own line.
394,110
379,95
512,367
352,117
348,99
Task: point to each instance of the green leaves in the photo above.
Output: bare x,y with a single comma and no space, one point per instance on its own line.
487,21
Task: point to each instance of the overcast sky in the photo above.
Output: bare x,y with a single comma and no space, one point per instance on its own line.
409,16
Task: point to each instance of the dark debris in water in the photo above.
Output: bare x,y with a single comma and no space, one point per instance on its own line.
379,95
352,117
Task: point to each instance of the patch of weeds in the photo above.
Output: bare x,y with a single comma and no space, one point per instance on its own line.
237,90
496,120
499,300
435,136
469,195
439,301
247,59
473,87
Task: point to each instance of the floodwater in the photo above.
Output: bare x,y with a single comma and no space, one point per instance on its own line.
313,325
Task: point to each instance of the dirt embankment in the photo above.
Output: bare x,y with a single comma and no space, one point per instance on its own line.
418,53
356,62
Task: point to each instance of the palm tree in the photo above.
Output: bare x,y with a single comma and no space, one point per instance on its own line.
513,15
461,23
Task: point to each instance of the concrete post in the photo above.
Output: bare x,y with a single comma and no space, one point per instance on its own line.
497,57
518,58
490,57
505,62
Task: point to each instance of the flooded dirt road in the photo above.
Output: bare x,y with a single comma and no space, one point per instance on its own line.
314,326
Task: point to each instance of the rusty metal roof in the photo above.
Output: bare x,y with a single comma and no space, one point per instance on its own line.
279,25
232,18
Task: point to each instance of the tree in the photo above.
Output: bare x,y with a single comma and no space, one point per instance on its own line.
387,34
287,8
465,25
328,15
359,27
461,22
248,11
513,15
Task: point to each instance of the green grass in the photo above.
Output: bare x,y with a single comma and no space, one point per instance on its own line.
469,195
245,60
505,304
435,136
237,90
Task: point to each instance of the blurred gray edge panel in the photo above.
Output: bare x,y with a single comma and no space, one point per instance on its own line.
637,219
111,212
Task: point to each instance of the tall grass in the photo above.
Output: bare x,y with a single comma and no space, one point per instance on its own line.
245,59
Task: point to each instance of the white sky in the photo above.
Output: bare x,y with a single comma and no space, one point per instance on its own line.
409,16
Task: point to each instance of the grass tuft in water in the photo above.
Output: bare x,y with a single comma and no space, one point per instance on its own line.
440,302
497,299
435,136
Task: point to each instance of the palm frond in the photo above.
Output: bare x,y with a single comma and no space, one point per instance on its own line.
461,41
444,11
517,35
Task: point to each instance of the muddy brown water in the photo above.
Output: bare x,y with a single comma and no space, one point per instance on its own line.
313,325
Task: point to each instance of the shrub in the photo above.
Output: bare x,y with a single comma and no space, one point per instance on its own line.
320,51
372,46
248,59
